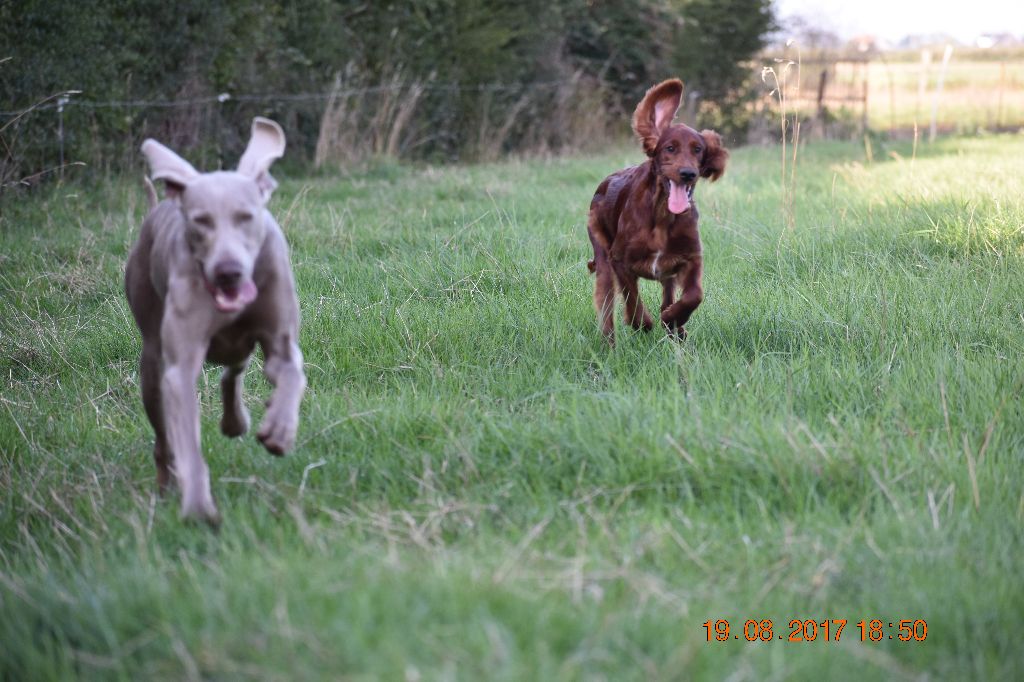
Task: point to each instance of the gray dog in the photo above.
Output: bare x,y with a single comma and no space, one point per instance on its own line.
209,279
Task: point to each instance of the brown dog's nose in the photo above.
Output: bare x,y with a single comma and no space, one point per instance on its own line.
687,175
227,274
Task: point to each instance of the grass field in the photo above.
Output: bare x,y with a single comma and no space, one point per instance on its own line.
482,489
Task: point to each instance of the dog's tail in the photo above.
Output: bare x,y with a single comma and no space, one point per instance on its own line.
591,266
151,196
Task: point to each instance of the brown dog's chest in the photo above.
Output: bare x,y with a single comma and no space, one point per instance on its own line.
662,252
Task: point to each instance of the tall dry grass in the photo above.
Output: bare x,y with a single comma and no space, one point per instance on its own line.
361,121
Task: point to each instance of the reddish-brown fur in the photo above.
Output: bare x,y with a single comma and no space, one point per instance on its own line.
632,230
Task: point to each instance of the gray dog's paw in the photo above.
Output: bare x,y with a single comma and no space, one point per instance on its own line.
235,422
200,508
277,433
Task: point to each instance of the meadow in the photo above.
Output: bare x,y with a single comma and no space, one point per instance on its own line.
483,489
982,90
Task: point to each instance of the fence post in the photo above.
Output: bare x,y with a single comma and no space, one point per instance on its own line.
922,82
61,101
820,112
999,106
938,92
864,99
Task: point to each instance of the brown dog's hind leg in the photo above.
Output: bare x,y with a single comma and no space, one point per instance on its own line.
604,296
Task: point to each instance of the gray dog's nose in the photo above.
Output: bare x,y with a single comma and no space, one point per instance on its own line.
687,175
227,273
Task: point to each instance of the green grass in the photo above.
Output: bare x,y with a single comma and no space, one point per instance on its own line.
484,490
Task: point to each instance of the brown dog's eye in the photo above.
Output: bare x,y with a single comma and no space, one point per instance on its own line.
670,149
698,149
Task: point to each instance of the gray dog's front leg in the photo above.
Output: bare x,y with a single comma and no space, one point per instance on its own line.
183,360
283,368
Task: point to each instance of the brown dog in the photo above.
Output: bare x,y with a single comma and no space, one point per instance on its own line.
643,222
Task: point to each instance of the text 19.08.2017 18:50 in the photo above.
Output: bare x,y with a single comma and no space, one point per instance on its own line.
810,630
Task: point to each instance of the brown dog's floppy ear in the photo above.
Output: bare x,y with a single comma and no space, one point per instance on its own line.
656,111
715,155
266,145
165,165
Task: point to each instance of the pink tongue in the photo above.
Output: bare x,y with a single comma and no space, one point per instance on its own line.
237,300
678,202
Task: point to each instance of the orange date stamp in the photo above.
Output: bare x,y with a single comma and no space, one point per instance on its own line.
811,630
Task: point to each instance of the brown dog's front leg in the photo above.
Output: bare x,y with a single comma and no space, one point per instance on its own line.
636,315
283,368
690,281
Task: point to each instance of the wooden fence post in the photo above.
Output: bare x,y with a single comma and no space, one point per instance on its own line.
938,92
820,110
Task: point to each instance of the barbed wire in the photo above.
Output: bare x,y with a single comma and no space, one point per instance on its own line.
67,99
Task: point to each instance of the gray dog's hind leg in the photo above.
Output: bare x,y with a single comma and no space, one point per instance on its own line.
149,376
235,421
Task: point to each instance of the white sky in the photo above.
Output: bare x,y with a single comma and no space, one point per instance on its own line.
893,19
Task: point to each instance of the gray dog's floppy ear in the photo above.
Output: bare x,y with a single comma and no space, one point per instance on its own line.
165,165
655,112
265,146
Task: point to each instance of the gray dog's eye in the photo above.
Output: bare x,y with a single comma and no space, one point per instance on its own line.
203,220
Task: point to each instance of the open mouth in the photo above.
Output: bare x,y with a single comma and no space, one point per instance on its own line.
231,299
679,197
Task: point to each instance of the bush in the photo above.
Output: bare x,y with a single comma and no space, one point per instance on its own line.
435,79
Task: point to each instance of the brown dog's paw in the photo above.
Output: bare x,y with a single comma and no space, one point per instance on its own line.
677,333
646,323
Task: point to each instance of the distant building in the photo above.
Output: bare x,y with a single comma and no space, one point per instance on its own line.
864,44
987,40
916,42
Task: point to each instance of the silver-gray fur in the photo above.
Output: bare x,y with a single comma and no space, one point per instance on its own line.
208,279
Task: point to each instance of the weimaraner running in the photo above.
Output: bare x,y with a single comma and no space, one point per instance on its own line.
209,279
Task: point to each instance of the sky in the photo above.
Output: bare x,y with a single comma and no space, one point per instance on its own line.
893,19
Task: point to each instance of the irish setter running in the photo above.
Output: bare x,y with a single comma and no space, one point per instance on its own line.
643,222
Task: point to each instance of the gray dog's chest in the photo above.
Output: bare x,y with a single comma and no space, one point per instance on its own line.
231,346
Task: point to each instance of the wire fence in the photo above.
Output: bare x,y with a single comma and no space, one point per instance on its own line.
349,121
941,90
354,119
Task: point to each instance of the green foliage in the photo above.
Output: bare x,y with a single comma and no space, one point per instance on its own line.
716,39
495,77
712,57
